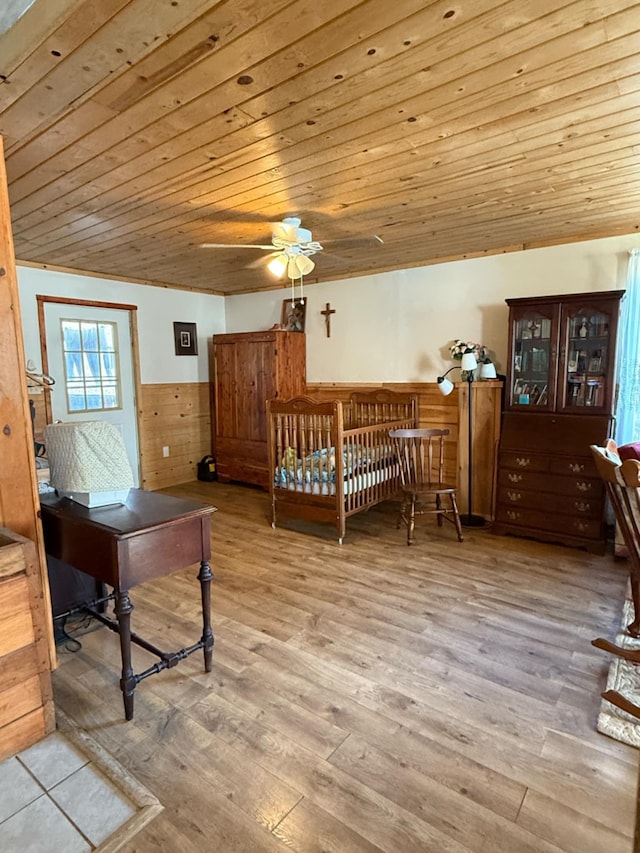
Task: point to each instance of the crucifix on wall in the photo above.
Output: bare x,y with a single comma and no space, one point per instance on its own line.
328,311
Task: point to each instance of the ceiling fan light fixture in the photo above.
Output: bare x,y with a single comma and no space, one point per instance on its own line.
278,265
299,265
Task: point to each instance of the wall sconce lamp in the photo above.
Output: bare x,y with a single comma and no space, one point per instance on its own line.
445,386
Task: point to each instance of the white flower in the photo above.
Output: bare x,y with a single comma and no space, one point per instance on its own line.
459,348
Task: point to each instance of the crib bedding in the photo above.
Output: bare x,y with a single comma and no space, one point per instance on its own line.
352,484
319,466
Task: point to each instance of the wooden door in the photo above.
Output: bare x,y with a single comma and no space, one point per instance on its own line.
84,345
255,372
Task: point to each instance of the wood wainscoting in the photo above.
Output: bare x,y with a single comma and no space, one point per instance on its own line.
177,416
450,413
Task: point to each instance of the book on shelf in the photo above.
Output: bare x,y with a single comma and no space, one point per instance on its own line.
581,361
593,393
542,397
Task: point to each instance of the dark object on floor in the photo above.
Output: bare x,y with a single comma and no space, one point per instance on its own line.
207,469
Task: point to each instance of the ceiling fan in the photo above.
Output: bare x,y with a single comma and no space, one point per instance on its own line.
291,247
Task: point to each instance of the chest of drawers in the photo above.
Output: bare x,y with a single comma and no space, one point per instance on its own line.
548,487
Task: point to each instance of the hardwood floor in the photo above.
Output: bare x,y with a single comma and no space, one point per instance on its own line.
370,696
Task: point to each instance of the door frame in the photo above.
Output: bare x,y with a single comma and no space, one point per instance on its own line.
42,300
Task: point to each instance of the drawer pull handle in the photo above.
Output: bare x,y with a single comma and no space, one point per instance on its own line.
584,487
576,467
514,478
514,496
512,515
582,526
582,506
523,462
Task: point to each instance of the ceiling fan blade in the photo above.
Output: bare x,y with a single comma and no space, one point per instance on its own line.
355,242
235,246
260,261
285,232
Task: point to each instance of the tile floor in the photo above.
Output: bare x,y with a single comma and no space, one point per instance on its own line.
54,798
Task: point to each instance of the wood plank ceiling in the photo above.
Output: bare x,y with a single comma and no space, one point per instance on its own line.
136,130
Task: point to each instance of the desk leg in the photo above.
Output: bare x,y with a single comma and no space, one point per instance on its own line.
205,576
123,610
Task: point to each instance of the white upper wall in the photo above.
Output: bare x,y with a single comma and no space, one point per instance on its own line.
158,307
397,326
390,327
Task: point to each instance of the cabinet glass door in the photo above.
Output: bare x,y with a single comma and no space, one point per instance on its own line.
533,356
585,368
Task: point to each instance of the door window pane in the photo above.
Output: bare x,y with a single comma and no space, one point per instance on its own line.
92,367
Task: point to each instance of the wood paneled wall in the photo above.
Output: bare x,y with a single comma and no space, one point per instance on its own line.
26,697
177,416
27,651
450,413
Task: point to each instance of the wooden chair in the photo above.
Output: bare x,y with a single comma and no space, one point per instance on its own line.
623,492
622,482
420,454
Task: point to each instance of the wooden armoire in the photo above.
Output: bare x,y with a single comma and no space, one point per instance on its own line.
558,401
248,368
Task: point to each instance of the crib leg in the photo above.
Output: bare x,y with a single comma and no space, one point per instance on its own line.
341,529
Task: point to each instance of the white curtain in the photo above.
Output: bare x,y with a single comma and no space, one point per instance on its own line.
627,426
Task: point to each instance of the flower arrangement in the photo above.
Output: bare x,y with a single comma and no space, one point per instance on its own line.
460,348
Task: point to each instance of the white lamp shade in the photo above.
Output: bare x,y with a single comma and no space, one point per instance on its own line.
445,386
468,361
278,265
488,370
299,265
88,462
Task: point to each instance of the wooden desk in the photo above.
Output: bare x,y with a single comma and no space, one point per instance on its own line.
123,545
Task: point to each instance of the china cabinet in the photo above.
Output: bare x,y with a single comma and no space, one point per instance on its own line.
248,369
559,401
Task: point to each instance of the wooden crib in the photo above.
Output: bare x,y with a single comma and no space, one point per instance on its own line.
330,460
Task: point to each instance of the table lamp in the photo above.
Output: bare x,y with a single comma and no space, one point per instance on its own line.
88,462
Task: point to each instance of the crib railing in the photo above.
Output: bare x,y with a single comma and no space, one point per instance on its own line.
377,479
302,441
379,407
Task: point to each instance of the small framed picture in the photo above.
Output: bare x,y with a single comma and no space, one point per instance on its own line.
293,314
185,338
